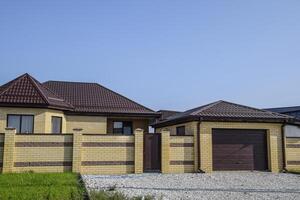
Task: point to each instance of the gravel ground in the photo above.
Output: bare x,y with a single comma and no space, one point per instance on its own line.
217,185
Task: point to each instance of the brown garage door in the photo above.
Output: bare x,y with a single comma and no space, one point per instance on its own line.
239,149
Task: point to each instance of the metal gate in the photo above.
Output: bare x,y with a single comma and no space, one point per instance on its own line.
152,152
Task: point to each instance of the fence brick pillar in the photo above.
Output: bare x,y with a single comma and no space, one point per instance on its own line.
77,141
138,151
9,148
165,148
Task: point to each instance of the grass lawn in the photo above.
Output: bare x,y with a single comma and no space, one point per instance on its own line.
45,186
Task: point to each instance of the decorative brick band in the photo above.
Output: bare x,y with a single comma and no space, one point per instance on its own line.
181,162
43,144
42,164
293,146
293,162
94,163
108,144
1,144
181,144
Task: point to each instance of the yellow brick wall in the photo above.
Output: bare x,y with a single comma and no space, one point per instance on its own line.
293,153
43,154
107,154
138,151
190,128
275,157
48,120
89,124
1,150
39,117
55,153
42,118
165,151
180,153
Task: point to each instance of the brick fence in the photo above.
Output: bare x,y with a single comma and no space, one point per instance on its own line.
103,154
77,152
293,153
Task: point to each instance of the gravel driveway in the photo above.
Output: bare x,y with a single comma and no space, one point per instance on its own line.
217,185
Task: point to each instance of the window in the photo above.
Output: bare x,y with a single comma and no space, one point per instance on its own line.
180,130
122,128
56,124
22,123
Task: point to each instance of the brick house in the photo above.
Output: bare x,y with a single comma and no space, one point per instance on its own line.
59,107
232,137
59,126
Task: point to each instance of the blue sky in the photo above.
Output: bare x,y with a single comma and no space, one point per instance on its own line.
163,54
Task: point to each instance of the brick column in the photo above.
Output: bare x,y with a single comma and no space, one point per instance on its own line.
77,141
8,153
165,148
205,149
138,151
274,146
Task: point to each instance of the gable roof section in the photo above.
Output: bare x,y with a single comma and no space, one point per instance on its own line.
94,98
25,90
224,111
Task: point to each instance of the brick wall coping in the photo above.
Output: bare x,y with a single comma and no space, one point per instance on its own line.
181,136
44,134
109,134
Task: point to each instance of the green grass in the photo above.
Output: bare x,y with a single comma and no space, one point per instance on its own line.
44,186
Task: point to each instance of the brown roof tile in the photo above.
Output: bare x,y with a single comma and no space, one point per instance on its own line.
26,90
94,98
71,96
222,110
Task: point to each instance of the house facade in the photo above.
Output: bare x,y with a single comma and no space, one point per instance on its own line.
59,126
59,107
229,136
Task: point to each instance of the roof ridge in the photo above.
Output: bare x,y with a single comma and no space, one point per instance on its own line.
38,88
10,83
205,107
69,82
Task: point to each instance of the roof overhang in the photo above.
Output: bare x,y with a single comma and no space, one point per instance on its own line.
18,105
219,119
68,111
114,114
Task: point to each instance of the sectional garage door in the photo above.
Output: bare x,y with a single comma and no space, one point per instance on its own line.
239,149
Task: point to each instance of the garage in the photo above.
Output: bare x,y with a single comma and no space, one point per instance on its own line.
239,149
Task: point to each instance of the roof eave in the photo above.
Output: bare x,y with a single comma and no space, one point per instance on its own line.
29,105
115,114
221,119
